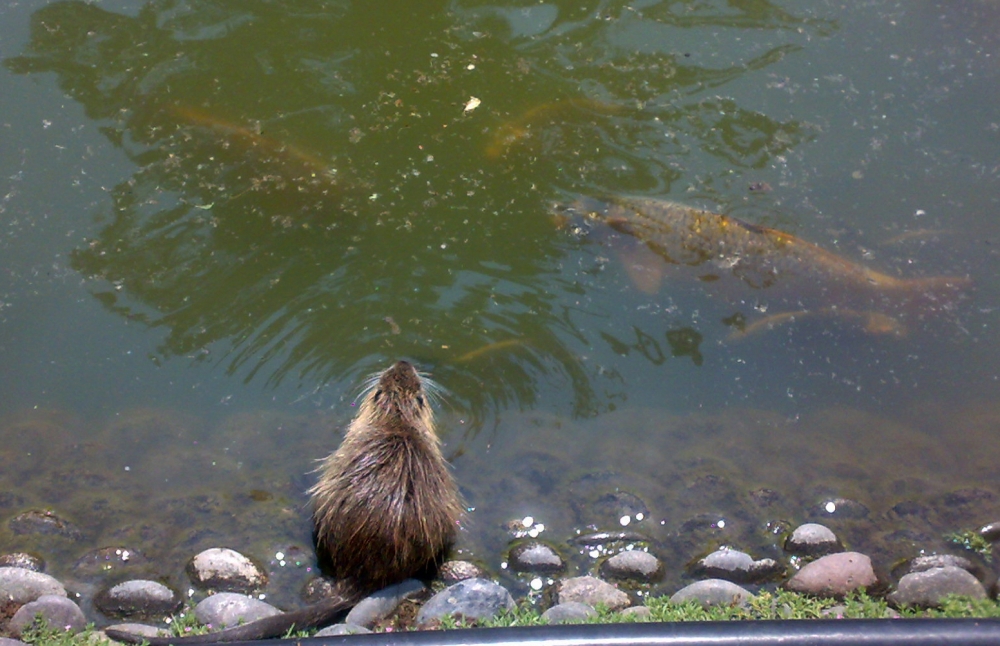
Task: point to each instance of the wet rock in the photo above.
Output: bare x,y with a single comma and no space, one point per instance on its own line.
632,565
812,539
381,604
10,500
57,611
607,539
571,612
931,561
843,508
969,496
834,575
736,566
470,599
765,498
23,560
990,532
43,523
618,506
455,571
337,630
592,591
910,509
641,613
20,586
713,592
536,558
108,559
226,609
223,569
137,599
317,589
143,630
928,588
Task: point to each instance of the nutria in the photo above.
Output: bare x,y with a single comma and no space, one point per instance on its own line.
385,507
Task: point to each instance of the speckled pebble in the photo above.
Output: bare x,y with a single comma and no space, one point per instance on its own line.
641,613
137,599
834,575
455,571
812,539
381,604
713,592
23,560
337,630
928,588
632,565
536,558
471,599
230,608
57,610
592,591
570,612
20,586
223,569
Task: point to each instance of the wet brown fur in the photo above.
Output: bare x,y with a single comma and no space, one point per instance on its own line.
386,507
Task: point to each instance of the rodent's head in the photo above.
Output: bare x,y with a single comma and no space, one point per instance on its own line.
399,394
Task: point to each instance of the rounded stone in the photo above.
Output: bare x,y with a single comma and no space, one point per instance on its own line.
469,599
834,575
592,591
57,611
640,613
928,588
713,592
570,612
337,630
633,565
736,566
223,569
143,630
812,539
23,560
536,558
379,605
455,571
20,586
137,599
226,609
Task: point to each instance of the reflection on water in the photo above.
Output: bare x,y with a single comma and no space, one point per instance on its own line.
306,198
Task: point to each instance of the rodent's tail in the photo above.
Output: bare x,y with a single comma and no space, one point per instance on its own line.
315,615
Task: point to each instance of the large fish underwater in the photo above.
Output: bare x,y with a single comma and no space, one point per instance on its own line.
772,277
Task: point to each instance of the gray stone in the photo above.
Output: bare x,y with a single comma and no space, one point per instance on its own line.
44,523
23,560
571,612
812,539
931,561
226,609
834,575
6,641
143,630
736,566
469,599
57,611
593,592
632,565
713,592
990,532
455,571
20,586
337,630
381,604
137,599
928,588
640,613
536,558
226,570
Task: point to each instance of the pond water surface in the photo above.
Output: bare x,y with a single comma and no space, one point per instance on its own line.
217,218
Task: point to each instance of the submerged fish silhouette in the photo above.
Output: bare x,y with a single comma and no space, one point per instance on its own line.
783,272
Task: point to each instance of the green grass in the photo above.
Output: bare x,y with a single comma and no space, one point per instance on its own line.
780,604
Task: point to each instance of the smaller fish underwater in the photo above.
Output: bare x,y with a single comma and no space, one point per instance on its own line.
769,270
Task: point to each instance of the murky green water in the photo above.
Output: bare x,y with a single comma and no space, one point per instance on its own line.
217,218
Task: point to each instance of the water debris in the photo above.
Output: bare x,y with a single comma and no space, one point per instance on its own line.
490,348
521,128
875,323
917,235
749,264
471,104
